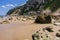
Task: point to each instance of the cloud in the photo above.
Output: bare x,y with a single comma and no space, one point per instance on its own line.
9,5
3,6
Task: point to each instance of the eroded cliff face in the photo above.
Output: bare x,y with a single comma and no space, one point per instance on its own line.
31,7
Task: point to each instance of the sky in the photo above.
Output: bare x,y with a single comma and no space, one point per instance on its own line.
6,5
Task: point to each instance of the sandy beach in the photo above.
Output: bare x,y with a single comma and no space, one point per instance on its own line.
30,20
20,30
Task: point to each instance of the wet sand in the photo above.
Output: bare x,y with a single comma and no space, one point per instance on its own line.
21,30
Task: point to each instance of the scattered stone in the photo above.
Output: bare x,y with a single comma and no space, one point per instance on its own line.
30,18
10,18
5,22
49,29
35,36
24,19
57,34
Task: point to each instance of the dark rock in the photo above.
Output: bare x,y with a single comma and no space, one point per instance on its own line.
43,19
10,18
49,29
35,36
57,34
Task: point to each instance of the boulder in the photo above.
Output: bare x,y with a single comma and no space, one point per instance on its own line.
43,19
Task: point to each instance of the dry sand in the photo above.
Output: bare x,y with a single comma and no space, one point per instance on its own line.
20,30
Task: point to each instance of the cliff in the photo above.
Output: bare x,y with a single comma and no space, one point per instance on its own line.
35,7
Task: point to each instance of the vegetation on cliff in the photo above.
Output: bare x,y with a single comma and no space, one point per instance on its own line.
53,5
